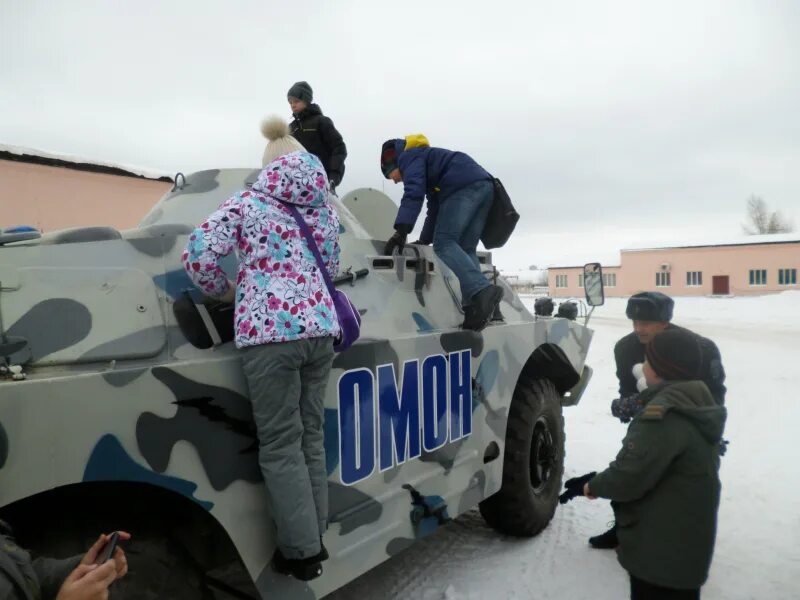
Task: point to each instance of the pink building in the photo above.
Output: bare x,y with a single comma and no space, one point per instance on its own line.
750,265
53,192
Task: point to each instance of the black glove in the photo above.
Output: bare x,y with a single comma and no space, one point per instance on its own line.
723,447
421,243
626,408
398,240
575,487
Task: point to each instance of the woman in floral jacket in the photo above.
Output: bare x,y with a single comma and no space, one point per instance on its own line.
285,325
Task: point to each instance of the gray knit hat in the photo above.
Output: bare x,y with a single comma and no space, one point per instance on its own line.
302,91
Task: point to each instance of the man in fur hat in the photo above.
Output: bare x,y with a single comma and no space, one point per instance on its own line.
664,482
651,314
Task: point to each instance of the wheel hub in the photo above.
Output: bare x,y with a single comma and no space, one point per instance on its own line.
543,455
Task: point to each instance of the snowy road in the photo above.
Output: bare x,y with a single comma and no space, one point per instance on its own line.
758,544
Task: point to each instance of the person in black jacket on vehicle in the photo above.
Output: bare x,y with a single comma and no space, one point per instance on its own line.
316,132
651,313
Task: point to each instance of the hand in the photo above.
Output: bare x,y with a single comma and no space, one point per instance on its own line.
587,492
398,240
230,296
575,487
626,408
421,243
723,447
88,582
119,560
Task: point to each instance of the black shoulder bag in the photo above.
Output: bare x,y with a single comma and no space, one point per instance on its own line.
501,220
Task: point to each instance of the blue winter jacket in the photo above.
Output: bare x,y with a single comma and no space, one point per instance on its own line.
434,172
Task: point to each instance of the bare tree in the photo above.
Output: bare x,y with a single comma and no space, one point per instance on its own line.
760,220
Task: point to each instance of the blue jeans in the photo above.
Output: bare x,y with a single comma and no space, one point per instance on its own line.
459,225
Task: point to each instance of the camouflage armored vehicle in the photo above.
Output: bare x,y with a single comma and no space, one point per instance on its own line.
116,414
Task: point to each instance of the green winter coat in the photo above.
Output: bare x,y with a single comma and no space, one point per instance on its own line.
23,578
665,482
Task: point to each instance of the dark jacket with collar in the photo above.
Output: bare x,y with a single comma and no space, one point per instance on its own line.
24,578
320,137
665,484
629,351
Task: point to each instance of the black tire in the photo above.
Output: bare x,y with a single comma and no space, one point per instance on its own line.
159,568
174,542
533,462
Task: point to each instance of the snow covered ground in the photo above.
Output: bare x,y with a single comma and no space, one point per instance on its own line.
758,543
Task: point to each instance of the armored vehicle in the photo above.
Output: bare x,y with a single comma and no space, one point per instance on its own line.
123,404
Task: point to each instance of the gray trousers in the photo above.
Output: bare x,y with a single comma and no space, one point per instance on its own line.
287,384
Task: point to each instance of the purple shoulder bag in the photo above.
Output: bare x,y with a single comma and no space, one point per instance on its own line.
346,312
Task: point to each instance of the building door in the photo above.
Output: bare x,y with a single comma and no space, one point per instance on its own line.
720,285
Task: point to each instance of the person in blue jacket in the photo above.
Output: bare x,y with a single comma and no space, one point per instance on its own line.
460,194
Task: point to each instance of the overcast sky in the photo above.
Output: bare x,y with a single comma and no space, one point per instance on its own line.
611,122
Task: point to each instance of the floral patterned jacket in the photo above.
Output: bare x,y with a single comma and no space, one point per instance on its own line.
280,293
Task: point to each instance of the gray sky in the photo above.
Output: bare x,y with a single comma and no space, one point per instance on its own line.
610,122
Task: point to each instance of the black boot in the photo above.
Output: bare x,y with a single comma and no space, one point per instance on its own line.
323,551
605,541
304,569
478,314
497,316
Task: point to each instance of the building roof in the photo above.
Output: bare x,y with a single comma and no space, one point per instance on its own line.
52,159
741,240
605,266
525,275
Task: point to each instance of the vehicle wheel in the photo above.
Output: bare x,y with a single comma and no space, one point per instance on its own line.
158,568
533,462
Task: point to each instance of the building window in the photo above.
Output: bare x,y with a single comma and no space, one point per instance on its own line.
787,276
758,277
609,280
663,279
580,280
694,278
561,281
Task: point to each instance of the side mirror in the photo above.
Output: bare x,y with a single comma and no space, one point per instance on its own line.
593,284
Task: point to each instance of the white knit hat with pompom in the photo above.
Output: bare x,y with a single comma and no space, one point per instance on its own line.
276,130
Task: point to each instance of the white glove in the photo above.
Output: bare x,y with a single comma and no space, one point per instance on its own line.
638,370
638,374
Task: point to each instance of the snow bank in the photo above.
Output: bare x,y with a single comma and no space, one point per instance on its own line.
757,554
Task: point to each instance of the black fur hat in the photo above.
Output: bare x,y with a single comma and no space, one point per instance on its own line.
650,306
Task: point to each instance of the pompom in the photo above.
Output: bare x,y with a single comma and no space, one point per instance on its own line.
638,370
274,127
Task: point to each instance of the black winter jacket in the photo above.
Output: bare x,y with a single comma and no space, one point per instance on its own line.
320,137
630,351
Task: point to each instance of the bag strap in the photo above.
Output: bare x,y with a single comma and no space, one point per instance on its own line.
312,245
